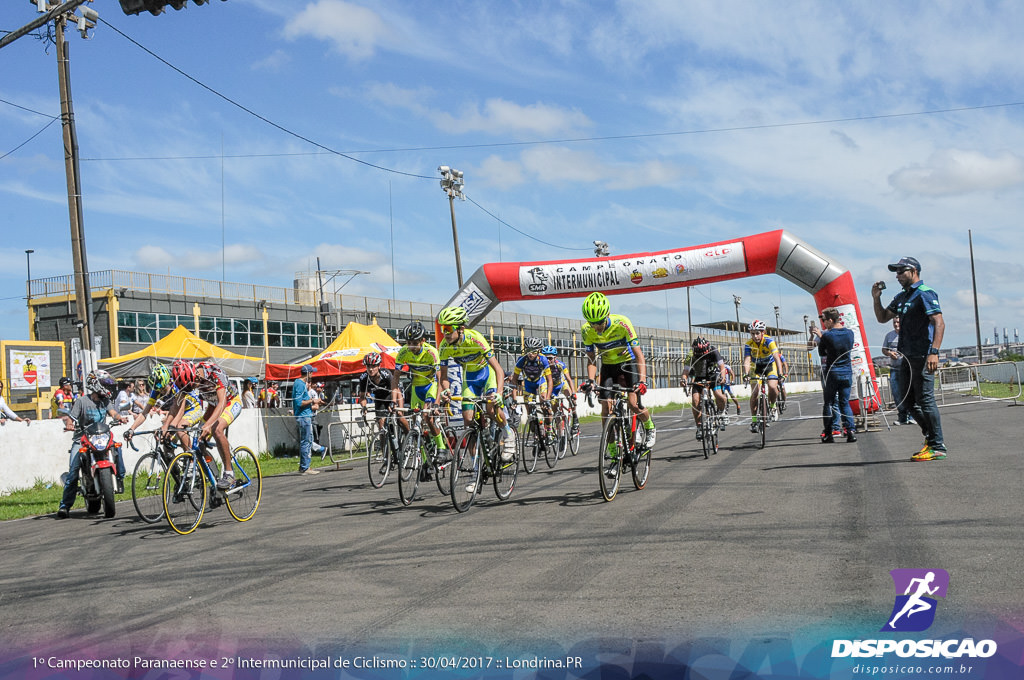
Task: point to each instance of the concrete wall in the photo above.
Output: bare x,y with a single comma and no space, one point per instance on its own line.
40,452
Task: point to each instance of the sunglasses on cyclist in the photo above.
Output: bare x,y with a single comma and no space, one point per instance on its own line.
449,329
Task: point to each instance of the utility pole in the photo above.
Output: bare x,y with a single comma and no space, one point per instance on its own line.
83,296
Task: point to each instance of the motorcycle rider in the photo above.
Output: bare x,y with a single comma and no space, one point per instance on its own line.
91,408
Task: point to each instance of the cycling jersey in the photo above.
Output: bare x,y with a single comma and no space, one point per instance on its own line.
215,380
706,366
763,354
472,351
379,388
422,365
615,343
533,369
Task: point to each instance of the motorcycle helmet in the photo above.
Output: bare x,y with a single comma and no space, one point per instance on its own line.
99,382
596,307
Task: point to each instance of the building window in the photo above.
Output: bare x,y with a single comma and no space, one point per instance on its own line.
225,332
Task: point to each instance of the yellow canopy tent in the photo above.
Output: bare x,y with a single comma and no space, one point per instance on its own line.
345,355
181,344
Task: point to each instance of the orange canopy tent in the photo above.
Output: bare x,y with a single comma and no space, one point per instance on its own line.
344,356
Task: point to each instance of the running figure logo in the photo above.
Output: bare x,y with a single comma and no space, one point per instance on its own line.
916,589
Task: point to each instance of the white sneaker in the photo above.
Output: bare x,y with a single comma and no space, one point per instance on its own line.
506,456
652,436
470,488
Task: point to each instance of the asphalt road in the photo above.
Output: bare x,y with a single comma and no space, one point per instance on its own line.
799,536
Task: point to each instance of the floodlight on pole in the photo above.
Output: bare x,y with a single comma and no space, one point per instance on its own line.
601,249
736,300
451,184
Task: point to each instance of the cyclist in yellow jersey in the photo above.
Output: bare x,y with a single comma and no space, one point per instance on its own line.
422,359
482,375
613,338
763,353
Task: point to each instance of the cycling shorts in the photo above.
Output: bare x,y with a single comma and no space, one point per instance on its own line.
768,370
534,386
193,414
477,384
423,395
558,388
624,375
230,412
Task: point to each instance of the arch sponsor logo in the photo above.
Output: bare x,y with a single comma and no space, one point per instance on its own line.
913,610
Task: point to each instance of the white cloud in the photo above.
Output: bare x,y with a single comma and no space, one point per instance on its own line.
500,116
557,165
156,258
354,31
955,171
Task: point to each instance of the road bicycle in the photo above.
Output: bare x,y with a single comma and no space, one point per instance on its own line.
148,477
762,411
191,483
420,458
382,448
710,419
487,451
566,406
622,446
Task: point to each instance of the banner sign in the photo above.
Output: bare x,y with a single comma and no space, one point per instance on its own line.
632,272
29,370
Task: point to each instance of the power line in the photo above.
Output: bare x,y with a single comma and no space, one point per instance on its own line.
256,115
25,108
520,231
30,138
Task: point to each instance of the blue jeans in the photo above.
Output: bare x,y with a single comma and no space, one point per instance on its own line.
305,424
920,391
74,467
898,393
837,399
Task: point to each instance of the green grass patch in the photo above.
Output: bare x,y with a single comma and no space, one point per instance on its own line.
673,406
996,391
44,497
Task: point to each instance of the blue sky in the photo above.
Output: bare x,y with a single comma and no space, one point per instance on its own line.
649,125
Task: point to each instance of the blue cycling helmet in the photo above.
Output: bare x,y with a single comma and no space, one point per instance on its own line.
549,350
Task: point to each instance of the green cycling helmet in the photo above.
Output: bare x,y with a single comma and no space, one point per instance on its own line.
596,307
159,377
452,316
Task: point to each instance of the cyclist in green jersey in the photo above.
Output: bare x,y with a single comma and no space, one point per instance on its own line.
613,338
422,359
482,375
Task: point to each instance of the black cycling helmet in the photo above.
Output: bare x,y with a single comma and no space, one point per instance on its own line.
533,345
414,331
701,344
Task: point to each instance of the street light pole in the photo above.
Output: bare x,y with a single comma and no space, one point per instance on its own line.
452,183
28,275
736,300
777,322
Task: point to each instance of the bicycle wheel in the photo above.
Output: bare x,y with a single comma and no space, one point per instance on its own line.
409,473
710,422
561,424
505,464
531,445
465,476
610,452
244,497
443,461
762,418
184,493
574,434
410,444
378,460
148,487
641,468
551,445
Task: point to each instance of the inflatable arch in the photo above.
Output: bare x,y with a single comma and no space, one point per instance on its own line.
774,252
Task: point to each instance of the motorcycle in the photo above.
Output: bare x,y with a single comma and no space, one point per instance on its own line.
97,468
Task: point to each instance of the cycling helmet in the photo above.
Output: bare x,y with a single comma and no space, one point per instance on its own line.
414,331
533,345
757,325
183,373
64,381
159,377
372,359
701,344
549,350
452,316
99,382
596,307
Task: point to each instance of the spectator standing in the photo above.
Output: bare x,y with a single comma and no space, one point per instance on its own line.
889,349
6,413
837,417
62,400
248,396
139,397
125,397
303,404
834,348
921,331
